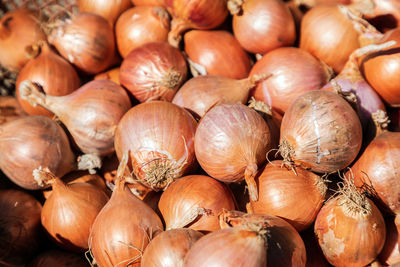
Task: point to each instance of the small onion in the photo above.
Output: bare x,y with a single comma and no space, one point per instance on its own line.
294,72
53,73
153,71
231,142
20,227
218,52
19,29
276,183
58,258
140,25
68,214
110,10
112,75
194,202
123,227
390,253
262,25
169,248
30,142
159,137
194,14
350,229
320,131
85,40
10,109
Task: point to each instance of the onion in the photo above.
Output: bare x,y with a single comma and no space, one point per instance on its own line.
218,53
386,15
328,34
148,2
231,141
110,10
159,137
140,25
285,246
262,25
123,227
18,30
112,75
53,73
58,258
244,245
153,71
381,70
194,14
91,113
30,142
320,131
275,184
169,248
294,72
10,109
85,40
20,230
194,202
390,253
350,229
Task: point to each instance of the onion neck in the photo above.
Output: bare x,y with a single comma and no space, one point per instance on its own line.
45,177
249,177
251,82
381,121
89,162
188,218
30,92
178,26
235,7
362,7
120,180
162,15
260,106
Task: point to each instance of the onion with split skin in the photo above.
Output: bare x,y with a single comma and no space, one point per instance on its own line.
194,202
110,10
169,248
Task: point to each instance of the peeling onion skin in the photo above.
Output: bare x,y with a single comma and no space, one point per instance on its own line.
320,131
169,248
350,239
194,202
276,183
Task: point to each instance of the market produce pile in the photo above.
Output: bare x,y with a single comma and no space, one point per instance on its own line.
191,133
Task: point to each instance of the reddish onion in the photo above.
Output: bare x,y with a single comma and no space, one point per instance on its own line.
69,212
52,72
112,75
110,10
194,202
320,131
285,246
262,25
20,227
169,248
58,258
231,141
153,71
159,137
390,253
85,40
123,227
294,72
91,113
350,229
30,142
217,53
294,195
18,30
140,25
194,14
10,109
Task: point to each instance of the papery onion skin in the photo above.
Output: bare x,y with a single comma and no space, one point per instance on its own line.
159,137
53,73
110,10
140,25
321,132
194,14
194,202
10,109
329,35
348,237
218,52
294,72
58,258
169,248
20,228
231,141
153,71
264,25
86,41
30,142
18,30
294,195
